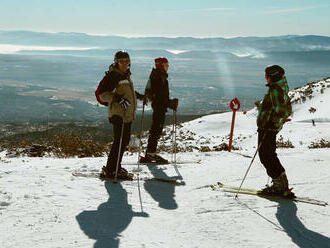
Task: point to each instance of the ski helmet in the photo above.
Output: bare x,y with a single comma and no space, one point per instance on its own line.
159,62
121,55
275,72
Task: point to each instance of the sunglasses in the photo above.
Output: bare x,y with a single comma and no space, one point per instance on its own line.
124,61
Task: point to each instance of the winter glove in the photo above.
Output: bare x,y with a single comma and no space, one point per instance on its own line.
124,103
173,103
139,96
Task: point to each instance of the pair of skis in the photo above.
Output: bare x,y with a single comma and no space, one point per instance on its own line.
168,163
246,191
172,180
286,196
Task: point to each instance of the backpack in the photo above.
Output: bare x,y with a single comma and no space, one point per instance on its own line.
148,92
98,91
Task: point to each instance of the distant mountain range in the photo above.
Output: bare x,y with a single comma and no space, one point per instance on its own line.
59,76
276,43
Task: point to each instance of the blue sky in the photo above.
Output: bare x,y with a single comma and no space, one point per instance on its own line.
196,18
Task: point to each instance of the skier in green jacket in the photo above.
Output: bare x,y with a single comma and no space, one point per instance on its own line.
273,113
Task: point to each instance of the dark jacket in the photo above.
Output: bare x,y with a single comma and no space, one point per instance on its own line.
157,89
118,85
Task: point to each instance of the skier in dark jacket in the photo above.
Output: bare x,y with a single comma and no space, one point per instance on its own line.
118,91
273,113
157,91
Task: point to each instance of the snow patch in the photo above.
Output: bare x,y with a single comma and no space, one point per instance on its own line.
177,51
250,53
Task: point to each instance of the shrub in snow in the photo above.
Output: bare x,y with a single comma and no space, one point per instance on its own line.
18,149
37,150
223,147
281,143
72,145
320,144
308,91
312,110
205,149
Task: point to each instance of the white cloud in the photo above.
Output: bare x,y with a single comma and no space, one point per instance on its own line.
9,48
196,10
279,11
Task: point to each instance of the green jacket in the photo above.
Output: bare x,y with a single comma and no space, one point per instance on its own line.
275,107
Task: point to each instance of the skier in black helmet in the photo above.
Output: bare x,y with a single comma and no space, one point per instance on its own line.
273,113
118,91
157,91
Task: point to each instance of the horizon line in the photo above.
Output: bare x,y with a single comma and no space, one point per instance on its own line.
156,36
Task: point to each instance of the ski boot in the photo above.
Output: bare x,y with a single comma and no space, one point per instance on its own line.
153,158
121,175
124,175
106,172
280,186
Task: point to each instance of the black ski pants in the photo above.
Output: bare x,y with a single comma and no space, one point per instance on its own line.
158,119
267,153
117,123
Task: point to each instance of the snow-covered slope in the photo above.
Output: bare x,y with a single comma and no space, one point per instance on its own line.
214,129
314,95
43,205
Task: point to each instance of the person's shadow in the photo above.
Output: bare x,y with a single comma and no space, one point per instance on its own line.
287,217
163,193
112,217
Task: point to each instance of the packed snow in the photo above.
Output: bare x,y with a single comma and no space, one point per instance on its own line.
43,205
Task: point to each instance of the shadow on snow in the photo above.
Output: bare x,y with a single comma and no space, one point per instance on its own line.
287,217
163,193
111,218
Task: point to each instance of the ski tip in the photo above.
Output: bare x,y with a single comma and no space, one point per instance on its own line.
220,184
213,187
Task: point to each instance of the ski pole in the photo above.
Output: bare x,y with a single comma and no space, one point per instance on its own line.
140,143
119,150
175,125
248,169
172,138
174,144
140,148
